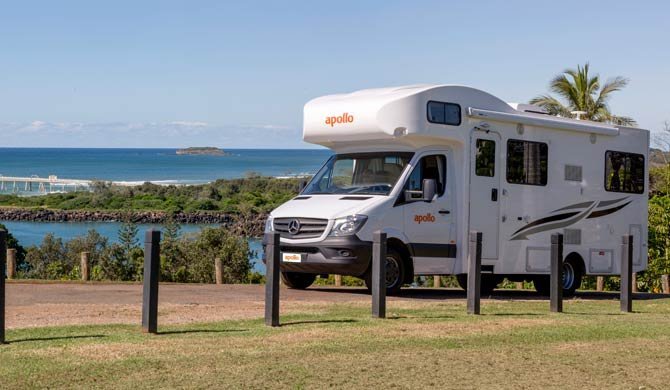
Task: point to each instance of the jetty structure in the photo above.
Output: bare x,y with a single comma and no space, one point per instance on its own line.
53,183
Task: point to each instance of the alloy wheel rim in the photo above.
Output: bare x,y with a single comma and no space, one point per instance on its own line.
568,275
392,271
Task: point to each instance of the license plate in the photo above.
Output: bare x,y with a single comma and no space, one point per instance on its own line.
291,257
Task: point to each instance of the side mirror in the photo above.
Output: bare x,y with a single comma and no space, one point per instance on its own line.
428,189
303,184
426,194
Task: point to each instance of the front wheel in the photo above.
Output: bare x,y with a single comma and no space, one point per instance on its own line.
395,273
297,280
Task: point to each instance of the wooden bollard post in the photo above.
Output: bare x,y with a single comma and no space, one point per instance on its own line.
634,282
218,270
665,283
474,272
338,280
272,259
152,241
379,275
85,266
556,277
11,263
437,282
600,283
518,285
3,255
626,273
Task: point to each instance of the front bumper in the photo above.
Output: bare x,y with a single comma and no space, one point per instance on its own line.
346,255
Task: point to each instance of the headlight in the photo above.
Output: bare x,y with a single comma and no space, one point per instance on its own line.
348,225
268,225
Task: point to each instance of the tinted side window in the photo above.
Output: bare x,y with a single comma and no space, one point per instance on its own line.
444,113
527,162
624,172
485,160
430,167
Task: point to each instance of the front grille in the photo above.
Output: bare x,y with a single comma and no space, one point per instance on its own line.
309,227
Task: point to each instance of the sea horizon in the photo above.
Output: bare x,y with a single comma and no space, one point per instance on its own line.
158,165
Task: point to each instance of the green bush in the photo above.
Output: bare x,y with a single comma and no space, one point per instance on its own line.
253,194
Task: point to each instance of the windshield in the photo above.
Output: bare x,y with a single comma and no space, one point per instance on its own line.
359,173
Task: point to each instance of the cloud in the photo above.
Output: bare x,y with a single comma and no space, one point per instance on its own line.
180,133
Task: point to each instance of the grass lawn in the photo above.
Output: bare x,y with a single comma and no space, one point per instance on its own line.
513,344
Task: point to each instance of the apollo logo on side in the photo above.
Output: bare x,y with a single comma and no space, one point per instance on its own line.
424,218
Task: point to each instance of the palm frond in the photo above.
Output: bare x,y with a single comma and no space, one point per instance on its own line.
552,105
583,92
612,85
622,121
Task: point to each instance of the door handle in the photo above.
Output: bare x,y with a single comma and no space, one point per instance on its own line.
444,212
494,194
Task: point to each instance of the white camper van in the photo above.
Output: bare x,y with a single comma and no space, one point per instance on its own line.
428,163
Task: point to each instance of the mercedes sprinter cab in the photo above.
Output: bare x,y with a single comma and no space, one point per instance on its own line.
429,163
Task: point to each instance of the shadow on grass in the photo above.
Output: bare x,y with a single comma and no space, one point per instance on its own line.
93,336
515,314
347,321
187,331
419,317
577,313
499,294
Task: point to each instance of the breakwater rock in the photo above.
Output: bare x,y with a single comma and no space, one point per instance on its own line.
251,225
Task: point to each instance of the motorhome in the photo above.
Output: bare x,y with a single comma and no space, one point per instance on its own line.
427,164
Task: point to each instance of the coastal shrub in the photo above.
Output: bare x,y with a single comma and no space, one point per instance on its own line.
191,257
12,242
252,195
48,260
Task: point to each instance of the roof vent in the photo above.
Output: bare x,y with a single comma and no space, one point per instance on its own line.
528,108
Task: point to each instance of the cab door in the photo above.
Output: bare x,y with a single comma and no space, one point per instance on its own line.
428,223
485,173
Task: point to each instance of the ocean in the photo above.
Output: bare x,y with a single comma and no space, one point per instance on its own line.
157,165
140,165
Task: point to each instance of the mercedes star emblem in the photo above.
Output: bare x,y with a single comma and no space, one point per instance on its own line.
294,226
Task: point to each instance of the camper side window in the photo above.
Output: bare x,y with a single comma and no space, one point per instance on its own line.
485,160
624,172
430,167
444,113
527,162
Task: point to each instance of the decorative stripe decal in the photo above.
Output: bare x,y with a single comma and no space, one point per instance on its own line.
585,210
600,213
553,218
574,206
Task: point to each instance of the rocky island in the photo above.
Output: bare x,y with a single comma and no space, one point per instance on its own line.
202,150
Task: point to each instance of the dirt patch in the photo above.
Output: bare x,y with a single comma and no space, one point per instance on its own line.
31,304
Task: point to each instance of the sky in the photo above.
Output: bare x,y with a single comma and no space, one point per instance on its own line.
237,74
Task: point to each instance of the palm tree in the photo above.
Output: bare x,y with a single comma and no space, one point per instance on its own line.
584,97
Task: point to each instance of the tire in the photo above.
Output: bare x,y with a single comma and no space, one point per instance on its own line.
297,280
395,273
488,283
572,279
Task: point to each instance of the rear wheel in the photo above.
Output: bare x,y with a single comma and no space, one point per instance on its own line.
297,280
488,283
572,279
395,273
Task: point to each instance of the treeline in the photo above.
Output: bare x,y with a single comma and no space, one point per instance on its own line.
656,278
184,258
253,194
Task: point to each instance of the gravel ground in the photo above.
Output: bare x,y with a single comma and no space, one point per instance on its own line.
31,304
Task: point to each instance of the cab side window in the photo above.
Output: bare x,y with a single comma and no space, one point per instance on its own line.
429,167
